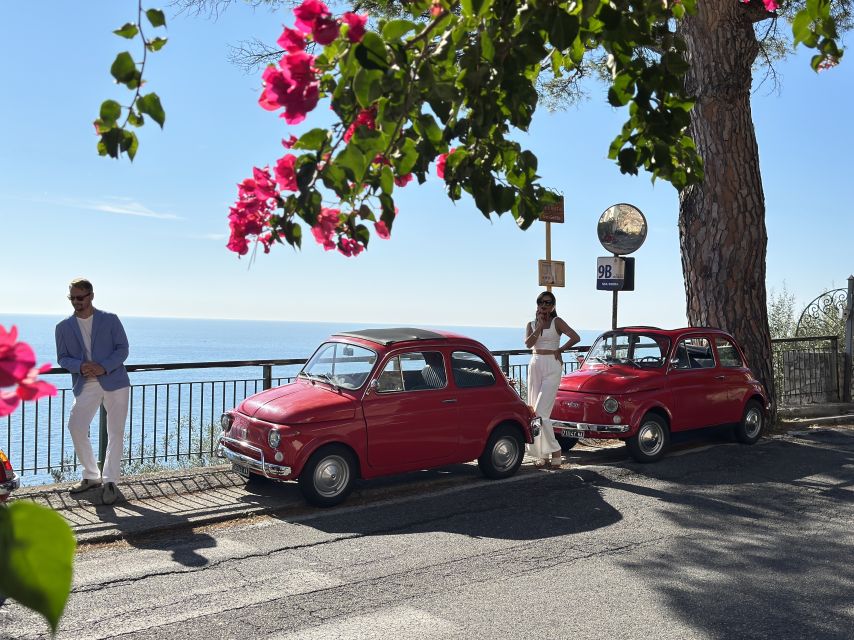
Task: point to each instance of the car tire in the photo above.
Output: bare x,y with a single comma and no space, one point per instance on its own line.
652,439
749,430
328,476
566,443
503,453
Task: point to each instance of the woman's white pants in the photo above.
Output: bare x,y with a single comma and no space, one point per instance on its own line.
544,373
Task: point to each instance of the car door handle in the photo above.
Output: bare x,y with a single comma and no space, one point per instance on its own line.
449,401
720,377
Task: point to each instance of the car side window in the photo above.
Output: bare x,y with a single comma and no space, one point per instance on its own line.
413,371
693,353
470,370
727,353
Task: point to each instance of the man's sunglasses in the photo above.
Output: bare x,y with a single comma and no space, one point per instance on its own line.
79,298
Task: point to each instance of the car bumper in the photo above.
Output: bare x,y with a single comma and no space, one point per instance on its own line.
256,465
591,428
9,486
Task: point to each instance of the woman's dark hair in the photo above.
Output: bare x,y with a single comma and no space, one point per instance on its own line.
549,295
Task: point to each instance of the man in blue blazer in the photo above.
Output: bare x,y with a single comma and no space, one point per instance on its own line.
92,345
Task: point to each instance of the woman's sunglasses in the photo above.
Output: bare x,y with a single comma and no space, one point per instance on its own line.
546,303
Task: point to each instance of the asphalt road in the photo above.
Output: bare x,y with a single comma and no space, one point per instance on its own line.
723,541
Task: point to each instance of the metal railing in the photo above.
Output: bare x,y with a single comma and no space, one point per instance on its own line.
174,422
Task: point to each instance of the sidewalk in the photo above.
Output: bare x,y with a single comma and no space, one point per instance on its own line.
175,500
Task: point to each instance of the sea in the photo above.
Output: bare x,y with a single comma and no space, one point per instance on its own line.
173,340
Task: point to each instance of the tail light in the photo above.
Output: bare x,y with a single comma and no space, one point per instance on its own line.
6,470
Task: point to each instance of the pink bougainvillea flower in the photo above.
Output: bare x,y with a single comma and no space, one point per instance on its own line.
9,401
293,86
326,227
440,163
771,5
382,230
356,26
290,142
402,181
436,8
350,247
309,12
366,118
291,40
16,358
286,176
31,388
325,31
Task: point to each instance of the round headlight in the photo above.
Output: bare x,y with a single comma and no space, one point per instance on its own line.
225,421
273,438
610,405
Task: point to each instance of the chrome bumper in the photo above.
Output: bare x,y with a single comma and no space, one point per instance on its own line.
260,467
593,428
9,486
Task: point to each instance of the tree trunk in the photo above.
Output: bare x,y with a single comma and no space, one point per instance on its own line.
722,221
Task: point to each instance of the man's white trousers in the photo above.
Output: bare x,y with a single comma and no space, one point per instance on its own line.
82,412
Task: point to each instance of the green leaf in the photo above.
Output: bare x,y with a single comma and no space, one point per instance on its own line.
150,104
156,44
129,143
312,140
563,30
367,85
396,29
156,17
135,119
110,112
371,52
353,162
386,179
36,558
123,68
108,145
129,30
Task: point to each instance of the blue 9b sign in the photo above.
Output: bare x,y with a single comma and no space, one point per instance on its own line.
615,273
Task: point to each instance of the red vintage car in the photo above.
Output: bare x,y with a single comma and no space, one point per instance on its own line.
378,402
8,478
640,384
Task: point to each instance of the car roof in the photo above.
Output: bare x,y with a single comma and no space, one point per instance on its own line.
671,332
396,334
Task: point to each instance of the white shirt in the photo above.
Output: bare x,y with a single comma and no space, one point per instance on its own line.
85,325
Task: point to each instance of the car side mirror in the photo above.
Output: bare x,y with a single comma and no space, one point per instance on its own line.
373,385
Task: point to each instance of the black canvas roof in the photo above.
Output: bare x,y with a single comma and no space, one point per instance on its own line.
390,336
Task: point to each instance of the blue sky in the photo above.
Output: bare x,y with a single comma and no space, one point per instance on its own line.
151,234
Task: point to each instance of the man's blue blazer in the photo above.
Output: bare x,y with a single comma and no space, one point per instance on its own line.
109,349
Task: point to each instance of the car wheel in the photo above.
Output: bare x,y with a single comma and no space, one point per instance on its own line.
566,443
750,427
651,440
327,478
503,453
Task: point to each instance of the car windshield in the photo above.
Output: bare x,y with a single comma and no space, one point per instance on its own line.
342,365
641,350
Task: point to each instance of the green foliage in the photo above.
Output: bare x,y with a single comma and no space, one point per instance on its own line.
115,138
781,313
36,558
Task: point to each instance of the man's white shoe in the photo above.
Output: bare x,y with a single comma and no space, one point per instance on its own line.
111,493
84,485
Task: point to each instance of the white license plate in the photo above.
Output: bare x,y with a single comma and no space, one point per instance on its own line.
571,433
239,468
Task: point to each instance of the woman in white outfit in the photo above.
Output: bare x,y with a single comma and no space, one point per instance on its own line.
543,336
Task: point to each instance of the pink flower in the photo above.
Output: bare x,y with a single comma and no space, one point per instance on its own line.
31,388
9,401
771,5
382,230
293,86
356,26
366,118
350,247
286,177
402,181
16,358
291,40
326,227
290,142
440,163
313,17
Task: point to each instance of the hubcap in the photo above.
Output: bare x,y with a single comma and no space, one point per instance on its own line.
650,438
752,423
331,476
505,453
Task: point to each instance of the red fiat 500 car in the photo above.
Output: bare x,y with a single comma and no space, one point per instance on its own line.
640,384
8,478
378,402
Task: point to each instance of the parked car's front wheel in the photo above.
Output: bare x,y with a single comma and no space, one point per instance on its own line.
651,440
566,443
503,453
750,427
327,478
